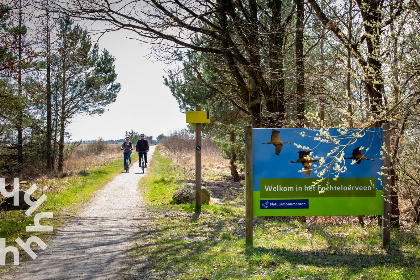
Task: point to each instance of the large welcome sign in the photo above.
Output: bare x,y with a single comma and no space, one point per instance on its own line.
317,172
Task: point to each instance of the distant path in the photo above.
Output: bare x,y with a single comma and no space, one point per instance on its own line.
94,243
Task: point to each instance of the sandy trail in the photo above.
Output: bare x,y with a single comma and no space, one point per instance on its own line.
94,244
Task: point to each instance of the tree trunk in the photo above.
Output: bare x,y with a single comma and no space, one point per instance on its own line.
322,86
395,209
48,139
62,127
348,89
19,127
300,67
275,102
20,139
61,146
54,146
254,69
348,74
248,89
233,169
63,111
372,18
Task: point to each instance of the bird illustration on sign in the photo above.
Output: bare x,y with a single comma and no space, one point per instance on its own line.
306,160
275,140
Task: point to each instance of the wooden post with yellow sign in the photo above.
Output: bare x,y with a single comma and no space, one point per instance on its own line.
198,117
198,163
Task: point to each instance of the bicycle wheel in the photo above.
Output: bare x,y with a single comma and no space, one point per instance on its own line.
126,165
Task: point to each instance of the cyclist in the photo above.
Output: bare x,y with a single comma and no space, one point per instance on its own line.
127,147
142,147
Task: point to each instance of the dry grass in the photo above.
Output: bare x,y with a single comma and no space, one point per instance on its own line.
180,148
89,155
216,177
80,160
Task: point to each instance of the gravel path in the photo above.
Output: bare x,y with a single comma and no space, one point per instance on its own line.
94,244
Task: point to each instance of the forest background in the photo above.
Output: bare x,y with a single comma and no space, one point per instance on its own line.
291,63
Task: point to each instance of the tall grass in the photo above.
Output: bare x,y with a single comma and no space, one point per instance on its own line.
180,148
88,155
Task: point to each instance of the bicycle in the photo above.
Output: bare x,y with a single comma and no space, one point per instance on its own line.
141,160
127,147
126,164
127,161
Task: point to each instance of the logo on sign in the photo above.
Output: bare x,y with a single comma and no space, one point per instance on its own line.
285,204
26,246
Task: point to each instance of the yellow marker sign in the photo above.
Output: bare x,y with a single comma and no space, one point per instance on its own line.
198,116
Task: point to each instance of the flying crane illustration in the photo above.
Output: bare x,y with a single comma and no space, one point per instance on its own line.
306,160
358,156
275,140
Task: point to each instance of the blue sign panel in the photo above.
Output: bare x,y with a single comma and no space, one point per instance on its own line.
285,204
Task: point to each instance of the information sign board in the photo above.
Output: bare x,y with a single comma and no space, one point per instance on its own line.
317,172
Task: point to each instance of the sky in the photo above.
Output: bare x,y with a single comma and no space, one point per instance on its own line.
144,104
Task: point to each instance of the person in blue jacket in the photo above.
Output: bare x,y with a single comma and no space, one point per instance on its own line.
127,147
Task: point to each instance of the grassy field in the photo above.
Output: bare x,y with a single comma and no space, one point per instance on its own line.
181,244
178,243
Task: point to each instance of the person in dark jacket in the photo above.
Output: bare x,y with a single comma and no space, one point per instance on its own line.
142,147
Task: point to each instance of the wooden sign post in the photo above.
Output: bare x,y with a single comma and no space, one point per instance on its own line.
198,163
249,215
198,117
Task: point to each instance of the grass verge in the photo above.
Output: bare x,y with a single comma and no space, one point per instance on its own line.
65,197
181,244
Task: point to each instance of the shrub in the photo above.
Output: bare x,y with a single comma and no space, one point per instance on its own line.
97,147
